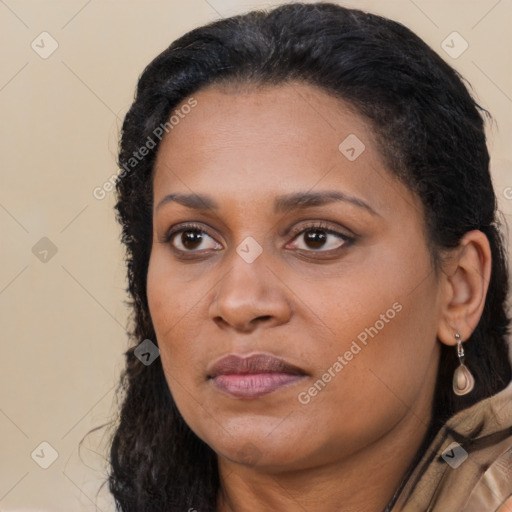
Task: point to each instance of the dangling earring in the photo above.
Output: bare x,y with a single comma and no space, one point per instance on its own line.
463,381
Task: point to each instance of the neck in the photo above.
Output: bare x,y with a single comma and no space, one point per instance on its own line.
363,482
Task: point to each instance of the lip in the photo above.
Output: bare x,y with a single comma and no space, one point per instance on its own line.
253,376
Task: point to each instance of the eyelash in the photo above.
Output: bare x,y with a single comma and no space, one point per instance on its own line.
322,226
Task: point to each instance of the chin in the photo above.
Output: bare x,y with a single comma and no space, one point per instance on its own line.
257,449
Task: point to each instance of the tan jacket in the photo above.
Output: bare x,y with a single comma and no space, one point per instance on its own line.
468,464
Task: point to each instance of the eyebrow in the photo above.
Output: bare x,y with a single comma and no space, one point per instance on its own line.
287,202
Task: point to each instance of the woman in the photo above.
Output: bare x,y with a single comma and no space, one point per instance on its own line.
313,245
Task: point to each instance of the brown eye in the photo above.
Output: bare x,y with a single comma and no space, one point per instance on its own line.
315,239
192,239
320,239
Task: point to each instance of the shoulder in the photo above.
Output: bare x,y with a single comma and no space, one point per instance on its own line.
468,466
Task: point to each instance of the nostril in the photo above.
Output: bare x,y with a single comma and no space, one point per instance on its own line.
220,321
263,317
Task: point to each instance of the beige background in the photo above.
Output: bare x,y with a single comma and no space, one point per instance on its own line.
62,320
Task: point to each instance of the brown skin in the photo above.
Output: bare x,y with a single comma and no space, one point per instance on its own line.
348,448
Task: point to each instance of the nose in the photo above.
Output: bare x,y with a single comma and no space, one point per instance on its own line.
249,295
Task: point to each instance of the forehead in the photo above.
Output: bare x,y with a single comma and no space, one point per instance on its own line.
286,114
271,139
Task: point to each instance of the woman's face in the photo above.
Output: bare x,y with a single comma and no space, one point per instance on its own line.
303,248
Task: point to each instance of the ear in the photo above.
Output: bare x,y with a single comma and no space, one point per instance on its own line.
464,288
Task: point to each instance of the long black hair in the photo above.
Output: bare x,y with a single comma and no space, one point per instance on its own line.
430,132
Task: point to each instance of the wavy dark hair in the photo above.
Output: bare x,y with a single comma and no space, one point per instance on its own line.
430,132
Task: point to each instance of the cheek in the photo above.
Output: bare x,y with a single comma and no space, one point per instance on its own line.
382,323
177,309
372,374
167,305
388,352
171,298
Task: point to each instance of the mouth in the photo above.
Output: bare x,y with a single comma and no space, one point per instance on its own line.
253,376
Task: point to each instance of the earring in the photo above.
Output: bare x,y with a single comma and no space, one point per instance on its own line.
463,381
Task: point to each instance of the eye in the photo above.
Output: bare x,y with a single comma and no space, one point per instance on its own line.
192,238
320,238
317,237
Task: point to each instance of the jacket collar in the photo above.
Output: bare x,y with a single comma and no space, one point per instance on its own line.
468,465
